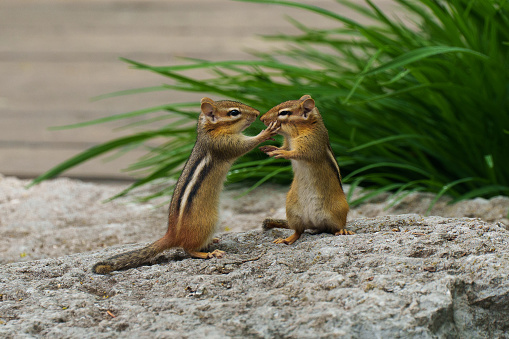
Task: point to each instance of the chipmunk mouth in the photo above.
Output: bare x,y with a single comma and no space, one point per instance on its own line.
265,121
247,124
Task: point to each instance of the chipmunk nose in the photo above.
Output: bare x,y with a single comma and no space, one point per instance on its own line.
263,119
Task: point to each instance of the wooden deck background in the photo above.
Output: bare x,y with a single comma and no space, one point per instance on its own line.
57,54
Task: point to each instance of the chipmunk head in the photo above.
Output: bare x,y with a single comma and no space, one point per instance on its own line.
293,111
230,116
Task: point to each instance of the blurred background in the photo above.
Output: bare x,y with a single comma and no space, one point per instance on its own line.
56,55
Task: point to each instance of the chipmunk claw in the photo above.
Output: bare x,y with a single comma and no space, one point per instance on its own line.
267,148
217,254
273,127
278,154
207,255
290,240
344,232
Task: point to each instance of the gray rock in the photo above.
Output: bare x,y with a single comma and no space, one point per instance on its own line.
63,216
400,276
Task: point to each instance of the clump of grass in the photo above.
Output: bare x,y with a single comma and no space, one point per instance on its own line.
419,106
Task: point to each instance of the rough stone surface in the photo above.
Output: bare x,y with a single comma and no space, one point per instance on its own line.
404,276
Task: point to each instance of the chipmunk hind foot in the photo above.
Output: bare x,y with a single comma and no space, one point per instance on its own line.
206,255
344,231
290,240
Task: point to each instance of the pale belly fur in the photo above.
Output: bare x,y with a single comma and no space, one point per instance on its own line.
311,205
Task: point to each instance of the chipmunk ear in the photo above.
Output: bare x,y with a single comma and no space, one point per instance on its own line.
307,104
208,108
205,99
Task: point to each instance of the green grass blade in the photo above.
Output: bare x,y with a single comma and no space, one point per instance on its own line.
444,190
419,54
383,140
264,179
101,149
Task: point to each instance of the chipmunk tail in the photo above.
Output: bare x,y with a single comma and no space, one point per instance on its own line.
130,259
274,223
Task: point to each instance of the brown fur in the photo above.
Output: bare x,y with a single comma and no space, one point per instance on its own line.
316,199
193,211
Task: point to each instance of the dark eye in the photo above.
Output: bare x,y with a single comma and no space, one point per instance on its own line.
234,112
285,113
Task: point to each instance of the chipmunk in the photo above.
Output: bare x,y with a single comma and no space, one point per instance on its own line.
316,199
193,211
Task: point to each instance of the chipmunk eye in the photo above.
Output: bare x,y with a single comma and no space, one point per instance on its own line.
285,113
234,112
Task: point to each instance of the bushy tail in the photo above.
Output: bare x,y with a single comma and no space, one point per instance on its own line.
274,223
130,259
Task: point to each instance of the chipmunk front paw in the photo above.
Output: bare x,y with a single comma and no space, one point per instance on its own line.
278,154
270,131
268,148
